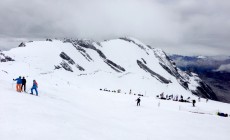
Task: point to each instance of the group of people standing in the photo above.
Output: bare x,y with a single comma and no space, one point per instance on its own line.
21,85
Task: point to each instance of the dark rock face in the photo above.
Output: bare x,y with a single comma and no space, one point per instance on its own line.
89,45
171,68
22,44
153,74
114,66
57,67
82,45
64,56
143,60
4,58
67,58
80,68
206,69
183,78
79,48
139,45
219,82
66,66
48,39
203,90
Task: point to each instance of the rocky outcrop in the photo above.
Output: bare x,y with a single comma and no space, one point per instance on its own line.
66,66
65,57
48,39
153,74
4,58
81,45
80,68
132,41
114,66
184,78
22,44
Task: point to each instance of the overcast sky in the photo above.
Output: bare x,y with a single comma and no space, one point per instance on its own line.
189,27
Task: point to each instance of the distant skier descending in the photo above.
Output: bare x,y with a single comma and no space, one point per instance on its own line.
193,103
138,101
34,87
19,84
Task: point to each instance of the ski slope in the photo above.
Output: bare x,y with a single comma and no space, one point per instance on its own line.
72,113
71,105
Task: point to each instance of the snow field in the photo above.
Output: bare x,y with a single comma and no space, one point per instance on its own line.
70,105
75,114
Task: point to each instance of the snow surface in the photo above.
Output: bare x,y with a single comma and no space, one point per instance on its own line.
70,105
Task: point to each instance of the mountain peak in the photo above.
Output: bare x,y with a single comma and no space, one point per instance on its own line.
124,63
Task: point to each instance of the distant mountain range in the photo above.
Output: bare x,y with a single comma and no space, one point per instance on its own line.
214,70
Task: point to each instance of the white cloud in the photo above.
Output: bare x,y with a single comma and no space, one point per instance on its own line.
177,26
225,68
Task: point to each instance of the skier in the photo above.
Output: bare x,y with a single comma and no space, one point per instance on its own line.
34,87
19,84
199,99
193,103
138,101
23,84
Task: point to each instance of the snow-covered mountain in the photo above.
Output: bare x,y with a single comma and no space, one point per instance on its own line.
213,70
214,63
70,105
123,63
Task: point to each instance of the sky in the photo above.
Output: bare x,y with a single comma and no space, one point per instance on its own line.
187,27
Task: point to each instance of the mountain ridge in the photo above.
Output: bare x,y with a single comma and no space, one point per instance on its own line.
123,56
213,70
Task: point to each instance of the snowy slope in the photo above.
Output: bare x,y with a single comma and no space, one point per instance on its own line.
108,64
71,106
71,113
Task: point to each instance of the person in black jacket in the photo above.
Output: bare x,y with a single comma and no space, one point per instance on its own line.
193,103
24,84
138,101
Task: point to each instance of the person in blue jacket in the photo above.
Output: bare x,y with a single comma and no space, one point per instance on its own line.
19,84
34,87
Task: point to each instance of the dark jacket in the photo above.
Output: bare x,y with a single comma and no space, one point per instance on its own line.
23,81
19,80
